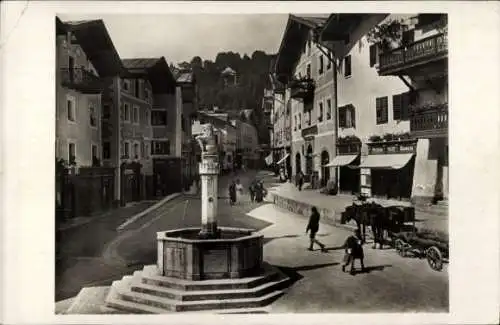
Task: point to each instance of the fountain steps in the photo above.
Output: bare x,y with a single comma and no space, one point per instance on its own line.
139,294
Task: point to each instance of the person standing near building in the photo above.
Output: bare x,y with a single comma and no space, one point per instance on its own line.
239,190
313,226
300,180
232,193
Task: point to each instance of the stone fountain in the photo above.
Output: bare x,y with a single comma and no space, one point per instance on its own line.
206,268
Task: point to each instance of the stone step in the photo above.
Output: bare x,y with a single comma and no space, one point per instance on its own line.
182,295
175,305
150,277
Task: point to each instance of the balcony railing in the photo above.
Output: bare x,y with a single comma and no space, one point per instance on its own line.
430,122
82,80
302,88
422,51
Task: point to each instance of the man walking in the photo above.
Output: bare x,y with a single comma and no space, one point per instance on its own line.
313,226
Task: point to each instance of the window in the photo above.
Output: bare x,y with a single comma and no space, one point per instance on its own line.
373,55
136,114
347,116
183,123
296,124
137,88
146,150
321,67
328,109
71,152
70,108
106,112
400,104
136,150
308,71
95,154
300,120
126,148
308,118
320,118
382,110
125,112
126,85
159,117
347,66
92,116
106,150
147,118
160,147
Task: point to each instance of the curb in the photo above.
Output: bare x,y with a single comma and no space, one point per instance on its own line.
148,210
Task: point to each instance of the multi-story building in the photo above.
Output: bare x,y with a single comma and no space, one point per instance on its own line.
86,62
308,77
187,81
391,90
86,59
139,140
371,108
423,63
247,144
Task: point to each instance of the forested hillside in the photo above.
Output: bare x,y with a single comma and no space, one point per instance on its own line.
253,77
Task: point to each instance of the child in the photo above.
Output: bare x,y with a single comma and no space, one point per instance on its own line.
354,250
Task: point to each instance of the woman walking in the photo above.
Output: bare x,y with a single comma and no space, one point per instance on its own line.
313,226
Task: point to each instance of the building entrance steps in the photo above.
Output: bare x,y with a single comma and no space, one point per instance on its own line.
330,207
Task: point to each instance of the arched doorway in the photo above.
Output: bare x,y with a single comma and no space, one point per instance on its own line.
309,160
297,163
325,171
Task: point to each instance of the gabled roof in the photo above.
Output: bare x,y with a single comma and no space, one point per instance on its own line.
156,70
228,71
339,26
185,77
296,33
95,41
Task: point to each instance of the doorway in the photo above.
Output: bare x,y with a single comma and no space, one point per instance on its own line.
298,167
309,160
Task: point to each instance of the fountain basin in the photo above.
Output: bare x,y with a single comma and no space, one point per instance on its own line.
236,253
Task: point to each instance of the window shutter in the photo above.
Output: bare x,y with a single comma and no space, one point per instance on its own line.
342,117
353,116
373,55
405,106
396,106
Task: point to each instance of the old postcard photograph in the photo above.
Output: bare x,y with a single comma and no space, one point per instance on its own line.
257,164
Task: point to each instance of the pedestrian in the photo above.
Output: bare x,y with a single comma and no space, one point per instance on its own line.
300,180
239,190
260,192
313,226
252,189
232,193
353,251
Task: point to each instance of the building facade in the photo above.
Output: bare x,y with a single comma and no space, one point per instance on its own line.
373,116
423,62
86,63
309,80
189,88
140,120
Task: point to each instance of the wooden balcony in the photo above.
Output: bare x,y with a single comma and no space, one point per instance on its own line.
390,147
402,60
303,88
431,122
82,80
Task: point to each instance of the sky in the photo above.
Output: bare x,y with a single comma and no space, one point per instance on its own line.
180,37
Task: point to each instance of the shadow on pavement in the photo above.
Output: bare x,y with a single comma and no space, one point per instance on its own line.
269,239
335,248
293,272
369,269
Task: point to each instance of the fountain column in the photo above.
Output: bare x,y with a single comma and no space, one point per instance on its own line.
209,173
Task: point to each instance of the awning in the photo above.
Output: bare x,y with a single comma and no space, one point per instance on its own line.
386,161
283,159
342,160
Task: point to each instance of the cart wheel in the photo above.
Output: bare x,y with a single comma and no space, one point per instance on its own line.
434,258
400,247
